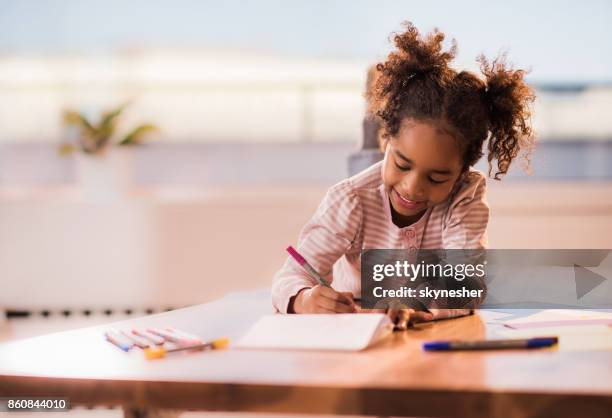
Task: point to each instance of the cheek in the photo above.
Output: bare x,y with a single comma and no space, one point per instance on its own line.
440,193
389,174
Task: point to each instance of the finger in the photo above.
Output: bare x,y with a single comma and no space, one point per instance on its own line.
340,307
392,314
449,313
422,316
337,296
379,311
322,310
348,296
335,305
331,293
404,316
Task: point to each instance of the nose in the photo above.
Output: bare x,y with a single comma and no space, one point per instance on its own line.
413,187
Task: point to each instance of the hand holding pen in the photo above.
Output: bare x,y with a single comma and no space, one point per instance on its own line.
323,299
320,298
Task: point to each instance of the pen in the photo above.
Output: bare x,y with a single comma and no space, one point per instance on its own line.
490,344
302,262
119,340
155,339
138,341
160,352
173,337
184,335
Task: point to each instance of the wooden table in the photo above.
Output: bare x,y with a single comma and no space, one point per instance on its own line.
393,378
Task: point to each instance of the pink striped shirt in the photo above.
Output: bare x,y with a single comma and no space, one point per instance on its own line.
355,214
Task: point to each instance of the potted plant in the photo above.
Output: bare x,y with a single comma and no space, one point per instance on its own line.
95,138
103,172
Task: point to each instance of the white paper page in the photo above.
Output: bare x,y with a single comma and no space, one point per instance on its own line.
559,317
582,314
571,338
492,317
348,332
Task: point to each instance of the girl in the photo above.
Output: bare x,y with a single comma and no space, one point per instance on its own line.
425,193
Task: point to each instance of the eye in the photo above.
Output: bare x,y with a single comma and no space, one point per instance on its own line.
437,181
402,167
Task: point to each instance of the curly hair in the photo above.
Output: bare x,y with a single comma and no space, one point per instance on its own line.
416,81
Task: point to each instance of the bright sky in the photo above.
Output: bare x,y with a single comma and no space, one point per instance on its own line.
559,40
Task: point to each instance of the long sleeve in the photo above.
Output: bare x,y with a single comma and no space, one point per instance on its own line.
326,237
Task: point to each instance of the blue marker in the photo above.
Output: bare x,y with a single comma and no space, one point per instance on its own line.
490,344
119,340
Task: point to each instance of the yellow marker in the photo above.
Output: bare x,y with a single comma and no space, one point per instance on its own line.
160,352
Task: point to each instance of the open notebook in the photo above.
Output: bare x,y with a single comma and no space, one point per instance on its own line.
344,332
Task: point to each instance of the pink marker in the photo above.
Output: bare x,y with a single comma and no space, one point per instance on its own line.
302,262
149,336
171,336
185,335
138,341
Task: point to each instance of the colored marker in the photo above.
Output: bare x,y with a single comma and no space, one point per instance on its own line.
160,352
155,339
184,335
302,262
119,340
172,337
537,342
138,341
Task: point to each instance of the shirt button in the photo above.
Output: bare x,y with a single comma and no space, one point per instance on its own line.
413,249
409,233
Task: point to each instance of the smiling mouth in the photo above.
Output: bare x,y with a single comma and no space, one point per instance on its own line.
407,202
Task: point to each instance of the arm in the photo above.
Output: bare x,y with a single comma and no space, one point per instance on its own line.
326,237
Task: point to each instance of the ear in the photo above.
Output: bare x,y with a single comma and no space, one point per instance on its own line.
383,141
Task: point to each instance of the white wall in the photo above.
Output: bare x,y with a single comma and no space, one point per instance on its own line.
206,95
147,250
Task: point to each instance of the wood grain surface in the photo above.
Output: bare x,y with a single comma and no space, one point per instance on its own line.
395,377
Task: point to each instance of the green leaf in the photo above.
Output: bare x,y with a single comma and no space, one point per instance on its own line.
106,127
72,118
136,136
109,120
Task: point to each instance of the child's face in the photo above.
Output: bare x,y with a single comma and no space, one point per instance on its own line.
422,163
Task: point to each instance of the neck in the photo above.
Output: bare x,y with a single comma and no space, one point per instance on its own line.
402,221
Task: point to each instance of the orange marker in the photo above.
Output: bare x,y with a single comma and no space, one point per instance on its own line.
160,352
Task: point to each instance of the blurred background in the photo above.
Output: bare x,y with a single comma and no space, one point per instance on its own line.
257,107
